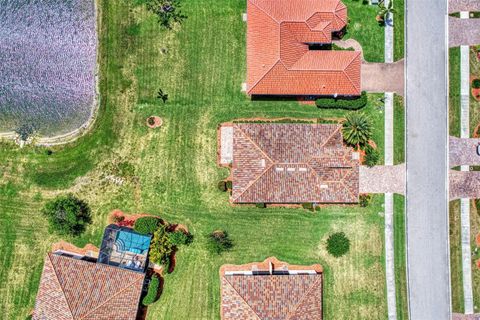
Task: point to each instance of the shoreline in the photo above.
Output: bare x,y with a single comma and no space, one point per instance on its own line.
75,134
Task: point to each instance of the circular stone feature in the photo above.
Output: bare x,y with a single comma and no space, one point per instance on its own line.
154,122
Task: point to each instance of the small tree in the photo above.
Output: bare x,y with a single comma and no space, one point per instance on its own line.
162,96
357,129
218,241
160,248
167,11
67,215
146,225
152,293
476,84
384,12
25,131
338,244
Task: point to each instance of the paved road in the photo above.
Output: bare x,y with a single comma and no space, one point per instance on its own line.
427,150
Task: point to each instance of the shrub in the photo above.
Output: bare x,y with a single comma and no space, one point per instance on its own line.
218,241
308,206
178,238
152,293
151,121
371,156
222,186
357,129
146,225
229,184
338,244
476,83
364,200
260,205
67,215
160,248
342,103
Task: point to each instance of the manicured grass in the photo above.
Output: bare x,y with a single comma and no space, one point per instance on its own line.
456,258
201,66
364,28
399,30
474,231
400,256
398,130
454,97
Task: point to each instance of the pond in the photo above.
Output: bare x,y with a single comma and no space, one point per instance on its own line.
48,65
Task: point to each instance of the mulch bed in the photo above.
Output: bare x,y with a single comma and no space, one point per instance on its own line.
154,122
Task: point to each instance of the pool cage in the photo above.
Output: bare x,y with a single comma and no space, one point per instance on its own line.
122,247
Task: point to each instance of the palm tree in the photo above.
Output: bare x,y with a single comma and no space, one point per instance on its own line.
357,129
384,12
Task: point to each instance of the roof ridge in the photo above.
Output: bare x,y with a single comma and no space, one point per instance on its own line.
241,297
60,285
268,71
111,297
253,142
307,293
263,10
254,181
346,74
330,137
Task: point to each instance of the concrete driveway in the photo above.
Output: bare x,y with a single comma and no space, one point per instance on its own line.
464,184
463,151
383,77
463,5
382,179
463,31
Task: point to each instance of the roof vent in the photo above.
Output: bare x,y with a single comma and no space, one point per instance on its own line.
290,169
302,169
324,186
279,169
270,267
262,163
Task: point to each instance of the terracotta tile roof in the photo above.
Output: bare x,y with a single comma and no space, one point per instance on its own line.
73,289
267,295
279,61
292,163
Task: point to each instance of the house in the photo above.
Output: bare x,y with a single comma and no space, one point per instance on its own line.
94,284
275,163
271,290
289,49
73,287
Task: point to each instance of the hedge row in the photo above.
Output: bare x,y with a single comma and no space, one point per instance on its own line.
338,103
152,293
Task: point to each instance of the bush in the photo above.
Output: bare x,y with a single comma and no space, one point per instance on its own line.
229,184
161,248
152,292
338,244
341,103
178,238
364,200
308,206
222,186
476,83
146,225
260,205
371,156
67,215
218,241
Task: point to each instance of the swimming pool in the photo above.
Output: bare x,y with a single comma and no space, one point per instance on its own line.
132,242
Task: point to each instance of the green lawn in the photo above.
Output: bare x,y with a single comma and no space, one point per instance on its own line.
398,130
456,258
201,66
400,256
474,231
364,28
474,104
399,30
454,97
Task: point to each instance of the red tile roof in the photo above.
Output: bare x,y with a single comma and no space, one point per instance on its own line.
73,289
278,59
271,296
292,163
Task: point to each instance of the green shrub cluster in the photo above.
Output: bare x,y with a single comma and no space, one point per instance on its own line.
476,84
161,247
338,244
364,200
178,238
67,215
146,225
372,156
152,292
260,205
308,206
339,103
222,185
218,241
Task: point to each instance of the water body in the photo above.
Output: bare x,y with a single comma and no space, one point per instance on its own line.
47,64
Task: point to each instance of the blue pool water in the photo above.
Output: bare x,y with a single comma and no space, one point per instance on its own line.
132,242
